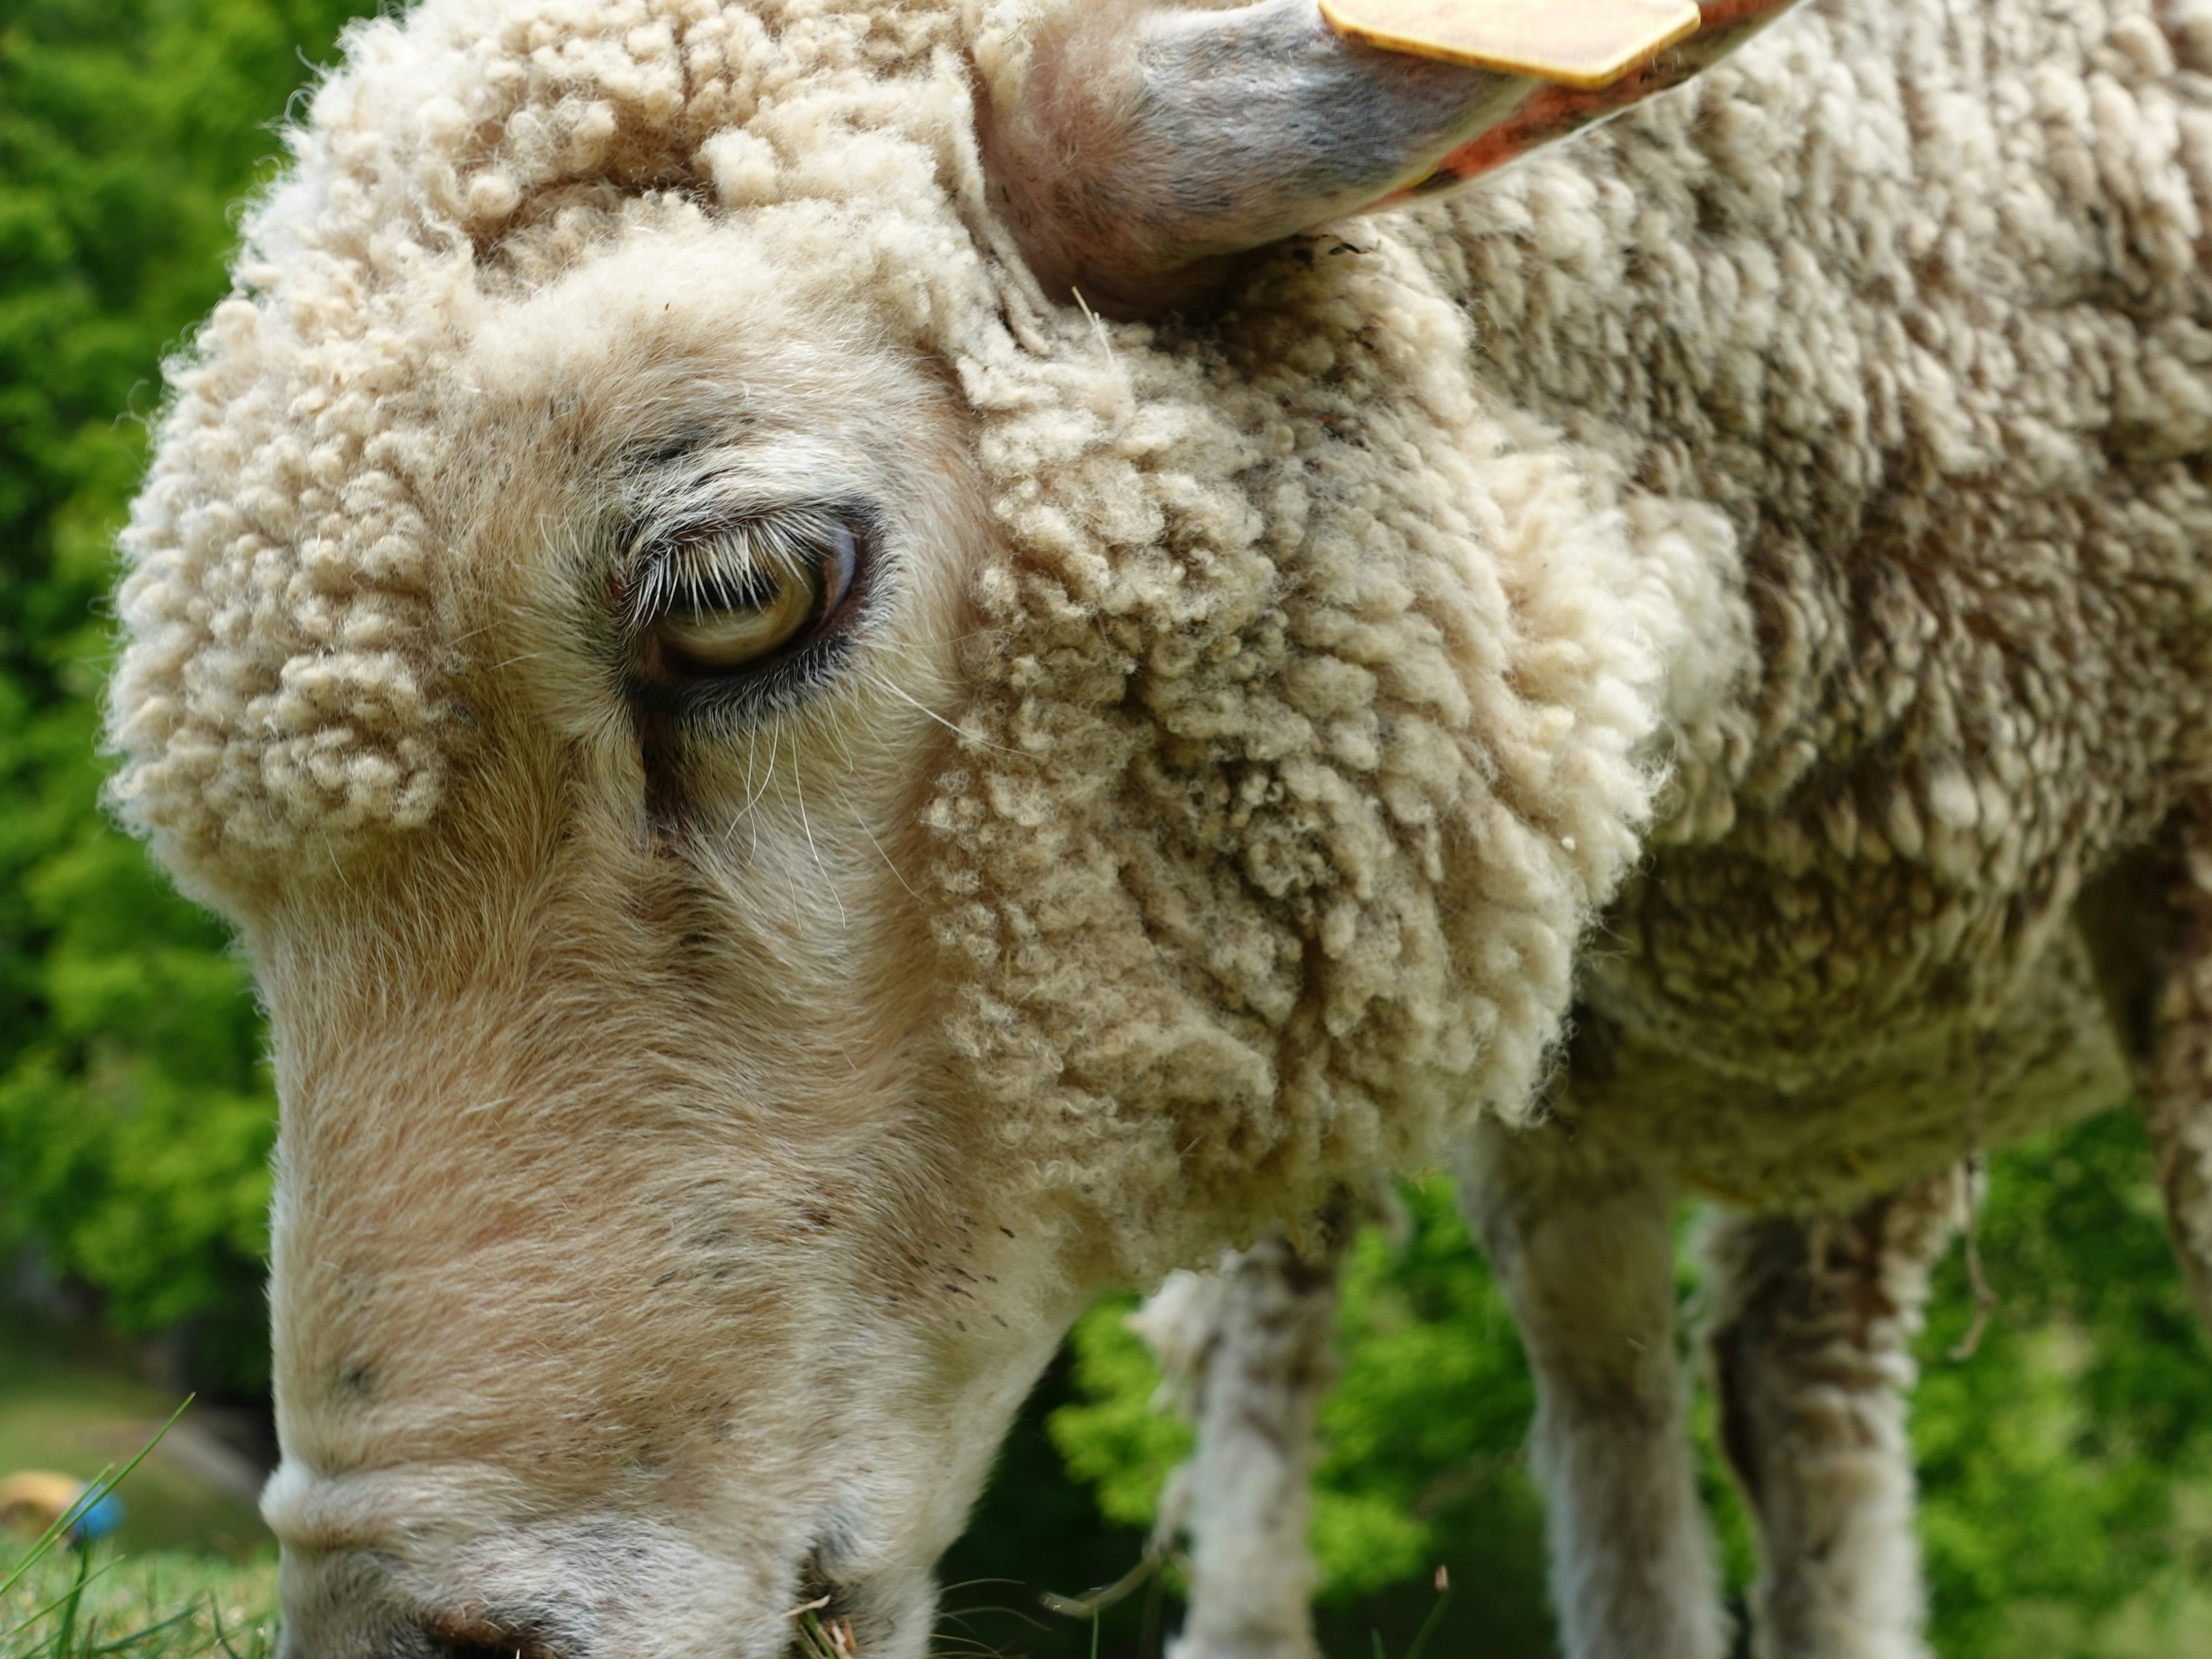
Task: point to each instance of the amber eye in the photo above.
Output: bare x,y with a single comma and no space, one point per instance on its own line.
792,579
766,612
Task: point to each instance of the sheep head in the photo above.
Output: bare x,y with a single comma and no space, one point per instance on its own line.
800,809
637,1276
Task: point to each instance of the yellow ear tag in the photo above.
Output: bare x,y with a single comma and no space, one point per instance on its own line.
1577,43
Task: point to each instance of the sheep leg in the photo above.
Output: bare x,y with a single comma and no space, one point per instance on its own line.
1581,1243
1254,1343
1812,1355
2176,1076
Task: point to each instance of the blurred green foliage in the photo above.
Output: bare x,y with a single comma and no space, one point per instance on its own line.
136,1114
1421,1463
2067,1465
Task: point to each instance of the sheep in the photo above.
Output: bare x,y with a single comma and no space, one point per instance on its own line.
855,673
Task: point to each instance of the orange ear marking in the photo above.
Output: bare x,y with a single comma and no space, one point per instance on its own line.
1577,43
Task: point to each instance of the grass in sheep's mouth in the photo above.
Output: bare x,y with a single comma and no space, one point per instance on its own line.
821,1639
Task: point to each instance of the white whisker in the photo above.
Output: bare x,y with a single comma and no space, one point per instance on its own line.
882,682
767,777
806,826
849,766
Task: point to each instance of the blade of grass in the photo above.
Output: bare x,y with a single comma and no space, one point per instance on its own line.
1428,1625
55,1605
71,1604
215,1612
818,1640
142,1632
1094,1601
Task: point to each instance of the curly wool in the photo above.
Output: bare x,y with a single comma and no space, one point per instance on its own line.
1333,747
287,612
1912,294
1304,738
1336,644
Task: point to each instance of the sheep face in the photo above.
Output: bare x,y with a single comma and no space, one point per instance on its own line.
637,1277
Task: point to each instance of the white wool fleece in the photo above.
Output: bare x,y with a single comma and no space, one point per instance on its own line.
1820,434
1311,717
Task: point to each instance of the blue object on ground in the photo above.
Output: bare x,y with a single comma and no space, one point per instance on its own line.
99,1518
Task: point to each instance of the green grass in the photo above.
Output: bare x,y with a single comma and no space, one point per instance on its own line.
164,1606
192,1572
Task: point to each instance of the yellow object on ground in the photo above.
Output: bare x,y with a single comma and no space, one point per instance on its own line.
38,1495
1577,43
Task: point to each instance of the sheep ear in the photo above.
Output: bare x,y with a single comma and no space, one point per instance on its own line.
1139,149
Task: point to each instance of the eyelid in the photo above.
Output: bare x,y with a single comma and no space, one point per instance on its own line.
695,562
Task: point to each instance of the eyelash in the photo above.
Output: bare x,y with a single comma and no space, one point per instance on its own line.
697,566
735,701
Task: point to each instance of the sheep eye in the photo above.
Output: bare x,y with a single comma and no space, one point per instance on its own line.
738,599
